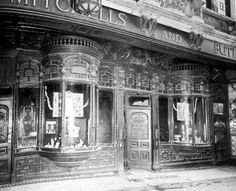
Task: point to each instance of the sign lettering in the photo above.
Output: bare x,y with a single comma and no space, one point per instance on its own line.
225,50
105,15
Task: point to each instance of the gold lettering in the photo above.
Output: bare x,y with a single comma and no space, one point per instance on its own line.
101,16
165,35
178,39
172,36
110,18
122,17
60,8
26,2
217,48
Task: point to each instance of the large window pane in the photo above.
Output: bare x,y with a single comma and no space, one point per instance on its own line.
163,119
182,120
105,116
53,105
76,114
201,132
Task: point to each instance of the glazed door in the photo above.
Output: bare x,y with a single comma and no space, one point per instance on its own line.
5,140
139,138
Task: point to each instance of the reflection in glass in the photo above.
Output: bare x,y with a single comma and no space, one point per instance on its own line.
76,114
105,116
201,134
163,119
52,112
182,120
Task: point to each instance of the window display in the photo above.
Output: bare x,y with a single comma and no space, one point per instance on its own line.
74,120
190,120
182,120
52,113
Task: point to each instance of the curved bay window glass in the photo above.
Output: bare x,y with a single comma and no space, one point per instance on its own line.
201,130
190,120
52,114
182,120
76,115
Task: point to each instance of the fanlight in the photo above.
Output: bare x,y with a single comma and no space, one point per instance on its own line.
87,7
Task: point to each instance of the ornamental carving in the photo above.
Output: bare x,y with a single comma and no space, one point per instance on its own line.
145,23
196,40
188,7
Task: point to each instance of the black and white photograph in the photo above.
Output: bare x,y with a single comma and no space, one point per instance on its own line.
117,95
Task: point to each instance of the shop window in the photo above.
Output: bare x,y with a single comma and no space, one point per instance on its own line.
53,106
163,119
105,116
27,114
201,130
182,120
190,120
220,6
74,119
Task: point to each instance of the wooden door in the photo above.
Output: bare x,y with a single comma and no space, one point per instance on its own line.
5,140
139,150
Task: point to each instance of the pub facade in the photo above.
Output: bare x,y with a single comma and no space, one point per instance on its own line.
91,90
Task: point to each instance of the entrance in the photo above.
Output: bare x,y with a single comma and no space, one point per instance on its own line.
5,139
138,145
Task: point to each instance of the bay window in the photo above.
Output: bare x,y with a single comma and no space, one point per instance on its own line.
67,115
190,119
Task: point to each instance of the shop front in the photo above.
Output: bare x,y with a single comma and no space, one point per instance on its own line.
84,95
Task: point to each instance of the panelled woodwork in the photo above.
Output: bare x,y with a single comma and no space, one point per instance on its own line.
31,166
178,153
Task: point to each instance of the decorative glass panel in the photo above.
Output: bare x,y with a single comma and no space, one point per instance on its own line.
27,133
4,117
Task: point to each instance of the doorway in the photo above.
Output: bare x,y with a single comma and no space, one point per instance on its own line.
138,132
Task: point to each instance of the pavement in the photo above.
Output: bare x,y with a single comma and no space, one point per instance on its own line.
136,180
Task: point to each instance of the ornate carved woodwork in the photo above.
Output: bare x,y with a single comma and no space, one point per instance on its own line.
179,153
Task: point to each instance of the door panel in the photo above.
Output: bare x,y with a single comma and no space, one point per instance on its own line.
5,140
139,138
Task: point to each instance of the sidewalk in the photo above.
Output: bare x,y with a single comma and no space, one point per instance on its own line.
134,180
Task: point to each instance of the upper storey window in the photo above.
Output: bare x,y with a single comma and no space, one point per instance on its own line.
220,6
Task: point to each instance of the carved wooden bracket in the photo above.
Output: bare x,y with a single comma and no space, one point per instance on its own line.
196,40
